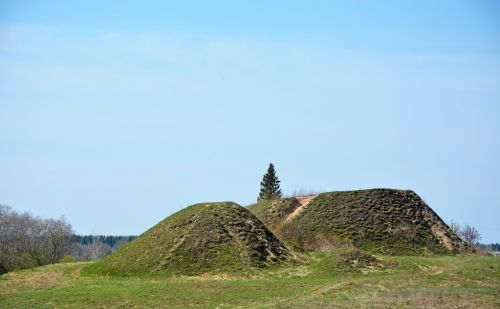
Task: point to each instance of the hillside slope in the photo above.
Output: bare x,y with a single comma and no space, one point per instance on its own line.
383,221
203,238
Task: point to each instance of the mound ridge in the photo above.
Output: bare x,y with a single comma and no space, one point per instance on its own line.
203,238
384,221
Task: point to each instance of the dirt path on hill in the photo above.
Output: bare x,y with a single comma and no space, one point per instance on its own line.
303,201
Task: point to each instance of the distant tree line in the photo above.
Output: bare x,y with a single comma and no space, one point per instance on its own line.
95,247
490,247
28,241
109,240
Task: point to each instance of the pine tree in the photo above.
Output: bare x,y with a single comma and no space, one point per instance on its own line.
270,185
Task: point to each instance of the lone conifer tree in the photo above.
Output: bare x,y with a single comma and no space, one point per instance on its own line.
270,185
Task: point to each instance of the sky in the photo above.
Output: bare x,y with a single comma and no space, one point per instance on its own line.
116,114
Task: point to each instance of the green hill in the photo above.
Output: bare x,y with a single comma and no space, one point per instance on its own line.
203,238
383,221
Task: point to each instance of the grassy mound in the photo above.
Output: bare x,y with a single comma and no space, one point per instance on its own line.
203,238
351,258
345,260
382,221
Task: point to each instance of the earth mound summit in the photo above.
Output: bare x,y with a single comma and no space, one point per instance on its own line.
203,238
382,221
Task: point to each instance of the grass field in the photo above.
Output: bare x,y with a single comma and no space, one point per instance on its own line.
400,282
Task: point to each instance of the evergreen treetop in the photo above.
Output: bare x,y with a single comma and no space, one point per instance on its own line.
270,185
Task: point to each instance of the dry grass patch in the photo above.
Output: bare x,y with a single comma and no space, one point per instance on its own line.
46,277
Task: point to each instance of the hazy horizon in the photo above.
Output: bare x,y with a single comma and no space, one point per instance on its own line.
116,114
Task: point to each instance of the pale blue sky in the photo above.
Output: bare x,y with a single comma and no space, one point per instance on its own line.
118,114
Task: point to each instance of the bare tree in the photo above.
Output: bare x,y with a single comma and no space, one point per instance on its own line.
27,241
470,235
120,243
6,246
98,249
58,239
467,233
455,228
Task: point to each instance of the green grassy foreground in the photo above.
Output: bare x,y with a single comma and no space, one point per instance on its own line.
400,282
